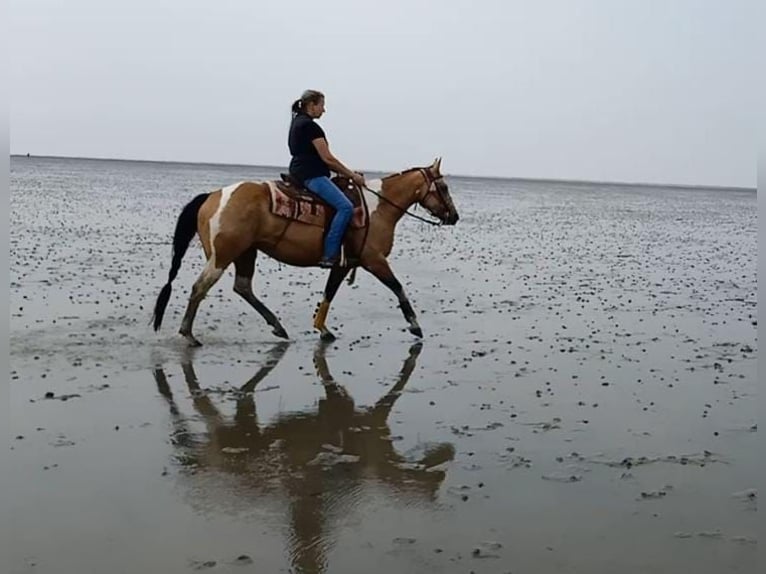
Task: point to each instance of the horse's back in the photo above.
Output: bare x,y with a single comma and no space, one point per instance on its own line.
230,211
235,199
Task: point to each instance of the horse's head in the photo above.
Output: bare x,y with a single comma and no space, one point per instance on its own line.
434,194
424,186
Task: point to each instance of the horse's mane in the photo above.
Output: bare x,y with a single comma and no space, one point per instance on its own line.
398,173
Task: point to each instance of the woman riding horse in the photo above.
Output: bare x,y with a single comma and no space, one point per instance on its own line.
236,222
311,165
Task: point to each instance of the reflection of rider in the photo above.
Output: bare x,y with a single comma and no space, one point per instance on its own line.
311,164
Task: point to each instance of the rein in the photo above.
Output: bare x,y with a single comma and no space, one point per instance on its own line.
404,211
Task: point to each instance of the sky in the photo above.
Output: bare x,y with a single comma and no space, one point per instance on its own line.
655,91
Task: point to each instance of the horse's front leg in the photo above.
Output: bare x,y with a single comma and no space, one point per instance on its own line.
380,268
331,288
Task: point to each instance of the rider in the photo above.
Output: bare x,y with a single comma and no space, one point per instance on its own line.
311,163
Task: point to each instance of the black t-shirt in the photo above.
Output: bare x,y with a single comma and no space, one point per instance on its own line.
306,162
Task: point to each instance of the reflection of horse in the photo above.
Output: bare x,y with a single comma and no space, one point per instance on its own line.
321,457
237,222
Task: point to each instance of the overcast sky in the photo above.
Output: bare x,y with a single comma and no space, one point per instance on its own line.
645,90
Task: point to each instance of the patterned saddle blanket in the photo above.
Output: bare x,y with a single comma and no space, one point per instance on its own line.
291,200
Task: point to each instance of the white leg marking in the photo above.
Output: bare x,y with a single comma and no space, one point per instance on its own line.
215,221
210,274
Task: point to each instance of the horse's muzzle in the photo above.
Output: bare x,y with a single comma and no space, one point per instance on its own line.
451,219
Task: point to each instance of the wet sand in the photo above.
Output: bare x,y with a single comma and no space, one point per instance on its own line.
582,401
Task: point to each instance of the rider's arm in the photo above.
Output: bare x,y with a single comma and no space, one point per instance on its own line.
332,162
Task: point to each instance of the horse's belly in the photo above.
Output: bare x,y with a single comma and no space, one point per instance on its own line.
292,253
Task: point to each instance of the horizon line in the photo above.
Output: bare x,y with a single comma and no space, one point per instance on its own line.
467,176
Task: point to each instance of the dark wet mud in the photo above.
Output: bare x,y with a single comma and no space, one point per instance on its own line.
583,400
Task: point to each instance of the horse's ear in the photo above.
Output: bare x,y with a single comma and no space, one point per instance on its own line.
436,165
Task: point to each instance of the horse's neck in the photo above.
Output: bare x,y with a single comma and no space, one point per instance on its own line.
374,187
389,209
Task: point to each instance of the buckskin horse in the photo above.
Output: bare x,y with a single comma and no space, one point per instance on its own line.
282,221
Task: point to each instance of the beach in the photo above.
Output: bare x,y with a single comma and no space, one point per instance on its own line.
582,401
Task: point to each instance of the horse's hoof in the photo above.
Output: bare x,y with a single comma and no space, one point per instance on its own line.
280,332
417,331
327,336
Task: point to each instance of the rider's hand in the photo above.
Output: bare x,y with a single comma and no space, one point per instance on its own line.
358,179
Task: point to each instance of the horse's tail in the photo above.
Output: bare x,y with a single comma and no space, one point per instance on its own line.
186,227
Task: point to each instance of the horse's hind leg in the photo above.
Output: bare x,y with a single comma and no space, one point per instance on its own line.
210,274
243,286
331,288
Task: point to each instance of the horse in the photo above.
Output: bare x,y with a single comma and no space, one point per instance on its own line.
236,222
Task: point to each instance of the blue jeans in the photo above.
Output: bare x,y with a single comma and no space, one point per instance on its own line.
344,209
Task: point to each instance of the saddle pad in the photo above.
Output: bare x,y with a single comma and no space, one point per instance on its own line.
309,210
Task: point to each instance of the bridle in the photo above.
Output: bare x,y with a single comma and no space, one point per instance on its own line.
433,187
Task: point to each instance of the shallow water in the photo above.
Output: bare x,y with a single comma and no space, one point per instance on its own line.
582,400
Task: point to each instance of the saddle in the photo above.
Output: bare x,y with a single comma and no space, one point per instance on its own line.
291,200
